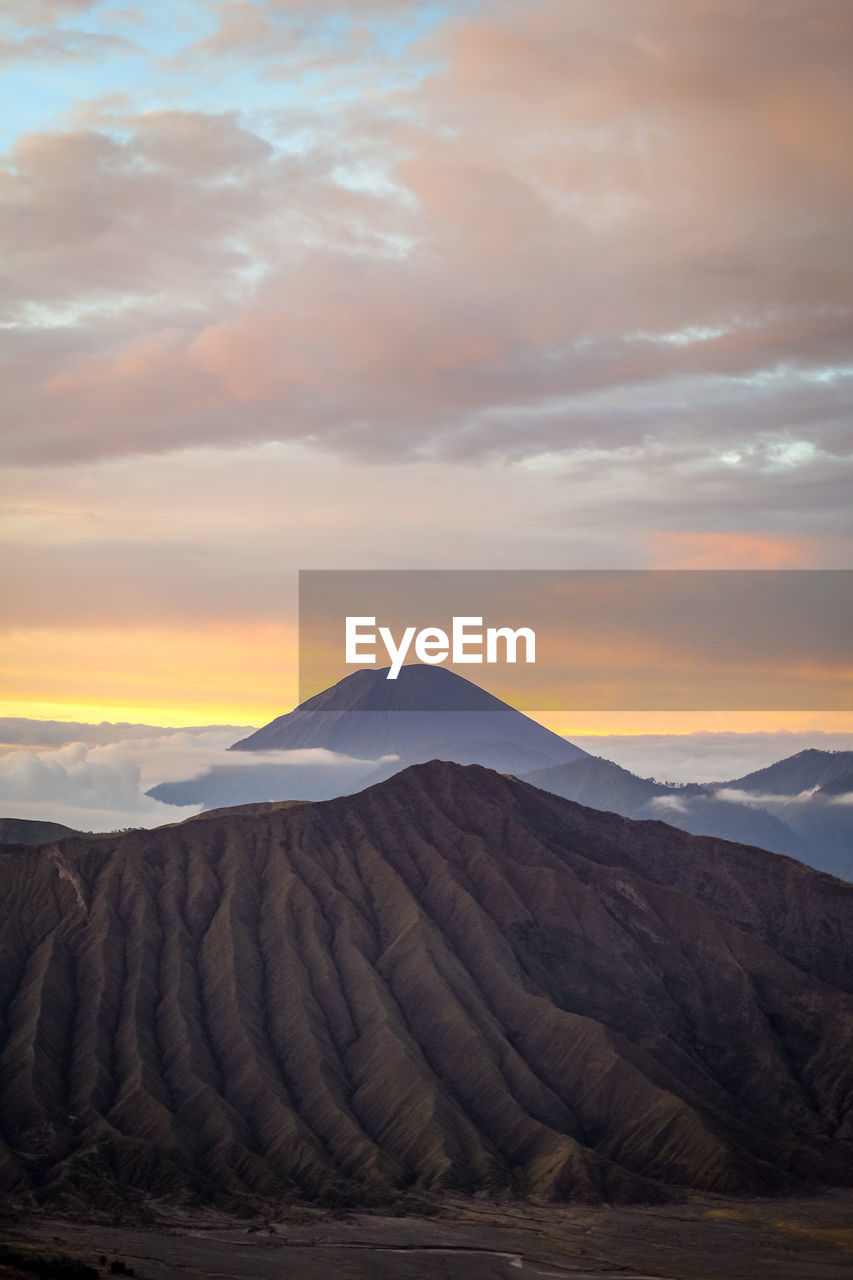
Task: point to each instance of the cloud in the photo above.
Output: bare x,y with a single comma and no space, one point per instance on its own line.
556,284
669,804
124,17
591,227
102,787
733,795
94,785
706,757
31,13
64,46
94,217
112,776
68,775
81,818
353,9
245,29
733,550
111,612
21,731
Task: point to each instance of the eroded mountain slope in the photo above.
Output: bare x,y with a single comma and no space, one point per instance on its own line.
449,980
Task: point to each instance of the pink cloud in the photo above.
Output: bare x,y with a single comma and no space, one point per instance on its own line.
594,225
737,550
37,12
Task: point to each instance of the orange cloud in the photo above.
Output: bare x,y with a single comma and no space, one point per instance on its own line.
594,202
681,550
539,294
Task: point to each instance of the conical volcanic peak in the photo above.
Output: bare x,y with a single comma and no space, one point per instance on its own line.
418,687
427,712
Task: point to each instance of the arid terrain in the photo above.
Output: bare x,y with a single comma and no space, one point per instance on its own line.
705,1239
451,982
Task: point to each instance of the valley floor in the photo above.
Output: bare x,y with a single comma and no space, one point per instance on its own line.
805,1238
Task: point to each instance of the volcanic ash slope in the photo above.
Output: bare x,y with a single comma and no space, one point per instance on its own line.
451,980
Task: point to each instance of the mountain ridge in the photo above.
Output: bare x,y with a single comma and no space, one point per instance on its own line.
451,979
800,772
806,822
32,831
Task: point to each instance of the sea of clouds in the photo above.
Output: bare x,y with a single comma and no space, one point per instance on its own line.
103,787
706,757
95,777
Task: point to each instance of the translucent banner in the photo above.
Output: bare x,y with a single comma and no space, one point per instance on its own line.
632,640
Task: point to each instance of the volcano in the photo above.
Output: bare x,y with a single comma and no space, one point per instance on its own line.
380,726
450,981
427,712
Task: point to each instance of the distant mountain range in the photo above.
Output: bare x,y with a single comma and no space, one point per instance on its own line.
793,807
452,980
796,809
803,772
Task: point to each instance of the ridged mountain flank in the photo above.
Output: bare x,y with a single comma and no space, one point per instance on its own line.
450,980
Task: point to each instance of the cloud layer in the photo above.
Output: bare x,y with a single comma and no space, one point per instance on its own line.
495,284
583,226
101,788
707,757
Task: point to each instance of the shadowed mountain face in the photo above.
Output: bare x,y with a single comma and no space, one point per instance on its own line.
798,773
382,726
426,712
796,806
602,784
449,980
840,785
30,831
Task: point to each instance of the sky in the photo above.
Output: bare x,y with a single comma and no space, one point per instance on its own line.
401,285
